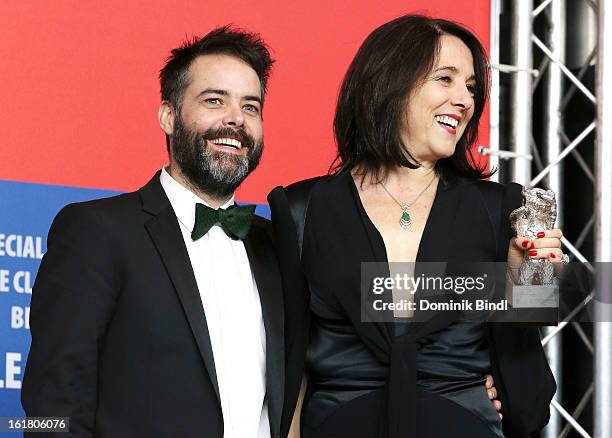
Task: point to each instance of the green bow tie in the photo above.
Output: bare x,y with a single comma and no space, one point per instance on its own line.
235,220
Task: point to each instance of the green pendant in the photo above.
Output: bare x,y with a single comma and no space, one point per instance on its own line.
405,221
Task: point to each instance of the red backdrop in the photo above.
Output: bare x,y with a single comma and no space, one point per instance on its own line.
80,90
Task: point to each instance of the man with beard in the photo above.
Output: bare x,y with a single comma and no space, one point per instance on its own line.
159,313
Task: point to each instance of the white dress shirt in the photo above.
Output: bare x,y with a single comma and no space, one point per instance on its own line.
233,315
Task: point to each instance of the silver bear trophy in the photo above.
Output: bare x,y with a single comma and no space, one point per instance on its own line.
538,213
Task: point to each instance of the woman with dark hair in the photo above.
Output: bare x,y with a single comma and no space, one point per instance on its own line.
405,188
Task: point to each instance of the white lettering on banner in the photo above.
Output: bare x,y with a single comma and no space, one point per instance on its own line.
20,317
4,280
22,282
16,245
11,371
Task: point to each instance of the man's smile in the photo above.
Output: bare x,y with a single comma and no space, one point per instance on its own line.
228,144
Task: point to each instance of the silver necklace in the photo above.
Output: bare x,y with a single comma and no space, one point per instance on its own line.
405,220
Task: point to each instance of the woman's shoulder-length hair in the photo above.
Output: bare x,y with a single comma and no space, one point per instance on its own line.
388,66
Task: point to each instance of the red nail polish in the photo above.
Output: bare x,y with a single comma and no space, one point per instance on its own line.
531,245
552,255
533,252
541,234
525,244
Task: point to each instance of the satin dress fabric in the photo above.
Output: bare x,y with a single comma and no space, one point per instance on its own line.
450,364
390,380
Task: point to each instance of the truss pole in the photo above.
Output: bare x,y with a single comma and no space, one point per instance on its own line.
553,143
602,408
521,97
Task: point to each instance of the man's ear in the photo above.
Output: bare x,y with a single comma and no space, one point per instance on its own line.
165,117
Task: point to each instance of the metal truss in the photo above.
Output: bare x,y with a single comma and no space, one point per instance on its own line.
549,160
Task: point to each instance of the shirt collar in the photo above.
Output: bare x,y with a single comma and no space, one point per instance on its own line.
183,200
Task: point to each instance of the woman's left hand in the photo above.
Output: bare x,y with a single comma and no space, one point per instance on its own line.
547,245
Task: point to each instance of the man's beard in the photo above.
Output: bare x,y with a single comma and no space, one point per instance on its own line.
213,172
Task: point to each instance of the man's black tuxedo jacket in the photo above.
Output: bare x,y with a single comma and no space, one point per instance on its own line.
119,336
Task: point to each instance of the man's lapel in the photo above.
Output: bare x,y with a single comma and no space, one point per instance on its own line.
163,227
264,266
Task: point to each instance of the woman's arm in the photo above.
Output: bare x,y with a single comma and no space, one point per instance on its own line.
294,431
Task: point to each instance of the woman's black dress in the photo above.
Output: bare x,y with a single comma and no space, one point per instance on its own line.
381,379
